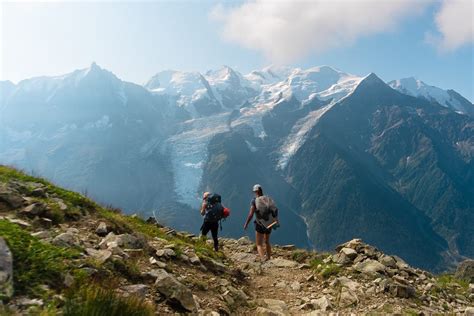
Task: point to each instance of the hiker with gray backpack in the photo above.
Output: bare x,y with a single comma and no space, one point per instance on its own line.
266,219
213,212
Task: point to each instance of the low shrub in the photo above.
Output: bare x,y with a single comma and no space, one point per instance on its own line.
94,300
34,263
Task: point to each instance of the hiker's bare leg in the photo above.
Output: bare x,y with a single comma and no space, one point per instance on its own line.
259,242
268,246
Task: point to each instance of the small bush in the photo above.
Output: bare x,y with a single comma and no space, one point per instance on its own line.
93,300
299,256
329,269
34,262
127,269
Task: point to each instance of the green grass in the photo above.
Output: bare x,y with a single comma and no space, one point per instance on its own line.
72,198
34,263
93,300
444,281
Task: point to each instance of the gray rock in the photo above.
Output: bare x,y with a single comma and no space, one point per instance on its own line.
348,283
36,209
288,247
166,253
174,290
275,306
353,244
19,222
39,192
43,222
123,241
349,253
158,263
6,271
369,266
139,290
101,255
10,198
244,241
388,261
67,239
194,260
43,234
60,203
469,311
401,290
262,311
295,286
213,265
322,303
102,229
341,258
347,298
244,257
465,271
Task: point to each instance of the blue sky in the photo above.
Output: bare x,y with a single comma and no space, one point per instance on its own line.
137,39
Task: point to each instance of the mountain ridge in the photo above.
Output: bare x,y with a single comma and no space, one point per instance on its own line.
105,136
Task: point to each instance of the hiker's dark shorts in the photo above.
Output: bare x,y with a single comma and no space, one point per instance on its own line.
262,230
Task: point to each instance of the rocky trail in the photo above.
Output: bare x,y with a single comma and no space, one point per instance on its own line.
63,254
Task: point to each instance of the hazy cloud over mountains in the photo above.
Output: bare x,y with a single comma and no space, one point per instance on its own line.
455,23
288,30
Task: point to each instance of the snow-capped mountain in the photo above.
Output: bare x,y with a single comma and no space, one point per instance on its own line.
447,98
320,140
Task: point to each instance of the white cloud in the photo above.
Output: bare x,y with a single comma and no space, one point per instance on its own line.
455,23
287,30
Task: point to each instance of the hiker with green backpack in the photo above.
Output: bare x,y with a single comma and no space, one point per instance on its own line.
213,212
266,219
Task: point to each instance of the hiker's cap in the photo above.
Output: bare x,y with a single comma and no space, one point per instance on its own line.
257,187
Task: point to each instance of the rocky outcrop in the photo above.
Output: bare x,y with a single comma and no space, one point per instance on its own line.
465,271
174,291
6,271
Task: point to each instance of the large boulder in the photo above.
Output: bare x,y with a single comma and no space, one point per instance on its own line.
465,271
101,255
126,241
9,198
323,303
6,271
272,307
174,291
400,290
369,266
35,209
67,239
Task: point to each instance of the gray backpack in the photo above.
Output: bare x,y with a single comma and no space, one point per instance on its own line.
266,210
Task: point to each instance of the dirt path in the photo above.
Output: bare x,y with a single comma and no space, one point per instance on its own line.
280,279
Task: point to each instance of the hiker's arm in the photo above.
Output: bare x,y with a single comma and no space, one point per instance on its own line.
249,217
203,208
